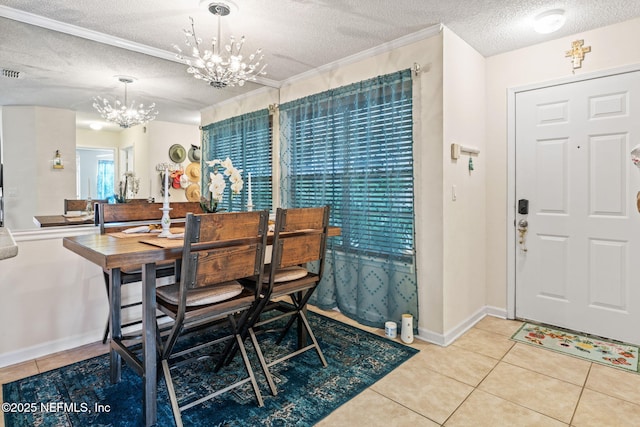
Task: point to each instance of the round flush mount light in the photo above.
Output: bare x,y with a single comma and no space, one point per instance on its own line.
96,126
549,21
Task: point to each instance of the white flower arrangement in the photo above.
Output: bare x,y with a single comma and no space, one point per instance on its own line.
127,187
217,183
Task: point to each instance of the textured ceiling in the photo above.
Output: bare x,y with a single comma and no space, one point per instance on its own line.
66,71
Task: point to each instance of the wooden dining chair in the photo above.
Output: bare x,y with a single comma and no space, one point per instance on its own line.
71,205
115,218
219,250
300,238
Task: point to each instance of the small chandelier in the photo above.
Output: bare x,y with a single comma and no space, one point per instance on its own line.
123,113
221,67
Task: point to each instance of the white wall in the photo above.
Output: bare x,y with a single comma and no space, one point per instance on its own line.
97,138
52,299
31,136
611,47
464,218
258,100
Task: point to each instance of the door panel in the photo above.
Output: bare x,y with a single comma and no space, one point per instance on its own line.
576,266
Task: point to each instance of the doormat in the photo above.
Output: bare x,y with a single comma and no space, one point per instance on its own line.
598,350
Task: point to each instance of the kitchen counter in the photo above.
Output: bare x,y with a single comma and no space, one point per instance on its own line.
8,246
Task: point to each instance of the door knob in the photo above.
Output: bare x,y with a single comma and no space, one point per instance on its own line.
523,225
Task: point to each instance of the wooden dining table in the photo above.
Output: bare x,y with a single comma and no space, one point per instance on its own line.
113,252
62,220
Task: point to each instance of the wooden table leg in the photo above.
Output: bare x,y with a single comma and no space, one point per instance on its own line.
149,344
115,299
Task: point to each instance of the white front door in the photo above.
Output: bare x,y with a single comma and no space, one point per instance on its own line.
579,264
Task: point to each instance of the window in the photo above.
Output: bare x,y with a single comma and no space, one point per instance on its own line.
246,140
353,149
105,179
95,173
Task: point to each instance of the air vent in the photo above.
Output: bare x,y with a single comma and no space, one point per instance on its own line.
10,74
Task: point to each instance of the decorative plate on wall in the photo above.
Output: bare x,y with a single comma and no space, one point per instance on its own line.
177,153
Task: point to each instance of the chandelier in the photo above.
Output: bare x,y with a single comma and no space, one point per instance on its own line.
220,66
123,113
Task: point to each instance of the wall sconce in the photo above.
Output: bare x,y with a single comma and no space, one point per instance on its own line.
57,161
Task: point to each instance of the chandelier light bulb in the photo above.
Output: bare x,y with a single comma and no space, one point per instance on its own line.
222,65
125,114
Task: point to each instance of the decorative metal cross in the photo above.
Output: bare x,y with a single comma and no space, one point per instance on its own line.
577,53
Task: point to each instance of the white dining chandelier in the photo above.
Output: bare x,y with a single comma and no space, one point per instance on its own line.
220,66
123,113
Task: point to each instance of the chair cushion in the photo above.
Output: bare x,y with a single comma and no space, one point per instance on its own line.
201,296
284,274
162,265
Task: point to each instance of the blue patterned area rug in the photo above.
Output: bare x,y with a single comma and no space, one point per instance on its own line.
82,395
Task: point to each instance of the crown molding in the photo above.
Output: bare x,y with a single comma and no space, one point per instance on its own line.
369,53
74,30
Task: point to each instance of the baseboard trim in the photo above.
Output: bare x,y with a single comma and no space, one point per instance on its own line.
453,334
48,348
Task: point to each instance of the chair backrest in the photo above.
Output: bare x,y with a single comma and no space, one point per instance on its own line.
115,217
300,236
221,247
79,204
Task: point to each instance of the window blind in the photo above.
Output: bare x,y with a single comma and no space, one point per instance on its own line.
353,149
246,140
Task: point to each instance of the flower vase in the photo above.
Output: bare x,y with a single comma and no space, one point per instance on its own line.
209,205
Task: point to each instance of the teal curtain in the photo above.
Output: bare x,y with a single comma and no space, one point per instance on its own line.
246,140
106,179
352,148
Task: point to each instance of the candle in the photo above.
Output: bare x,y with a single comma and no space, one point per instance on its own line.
89,188
150,192
250,197
166,188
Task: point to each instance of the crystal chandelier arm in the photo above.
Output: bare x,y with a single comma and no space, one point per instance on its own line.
223,65
123,114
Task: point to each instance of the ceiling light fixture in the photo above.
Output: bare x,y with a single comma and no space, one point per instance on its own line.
549,21
220,67
124,114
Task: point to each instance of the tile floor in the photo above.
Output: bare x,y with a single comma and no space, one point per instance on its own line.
482,379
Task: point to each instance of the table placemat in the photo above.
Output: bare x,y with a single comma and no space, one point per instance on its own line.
162,242
123,235
77,218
